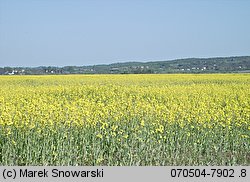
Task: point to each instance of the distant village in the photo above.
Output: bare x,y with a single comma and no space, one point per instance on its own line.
191,65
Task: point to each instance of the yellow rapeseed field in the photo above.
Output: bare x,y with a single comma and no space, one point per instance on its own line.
176,119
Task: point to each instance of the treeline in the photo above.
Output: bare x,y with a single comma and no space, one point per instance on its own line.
190,65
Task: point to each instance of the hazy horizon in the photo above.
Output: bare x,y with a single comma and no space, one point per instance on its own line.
78,33
131,61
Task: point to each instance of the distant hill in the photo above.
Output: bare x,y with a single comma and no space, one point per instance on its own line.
190,65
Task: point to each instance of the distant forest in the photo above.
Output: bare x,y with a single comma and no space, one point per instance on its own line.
191,65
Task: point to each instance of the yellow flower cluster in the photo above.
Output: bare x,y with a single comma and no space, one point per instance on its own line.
152,99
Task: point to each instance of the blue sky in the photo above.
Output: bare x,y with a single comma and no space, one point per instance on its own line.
86,32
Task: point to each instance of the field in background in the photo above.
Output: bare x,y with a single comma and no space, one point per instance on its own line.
125,120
